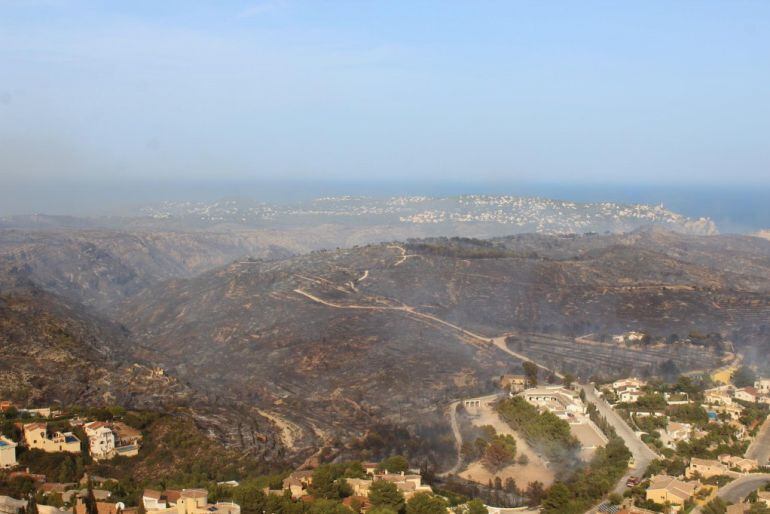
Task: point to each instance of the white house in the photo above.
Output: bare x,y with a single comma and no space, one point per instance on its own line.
101,440
747,394
559,400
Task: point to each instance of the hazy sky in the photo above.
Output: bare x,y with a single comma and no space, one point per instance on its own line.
577,91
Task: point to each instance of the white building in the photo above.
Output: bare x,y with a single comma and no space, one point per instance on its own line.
763,386
7,453
562,402
101,440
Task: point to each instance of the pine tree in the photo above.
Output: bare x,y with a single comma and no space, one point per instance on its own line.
90,501
31,505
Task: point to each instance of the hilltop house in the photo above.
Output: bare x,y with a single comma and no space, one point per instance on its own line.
101,440
676,398
104,508
734,411
628,390
743,464
195,501
7,453
628,383
360,486
627,395
157,500
763,386
298,483
409,485
676,432
707,468
514,383
127,439
629,337
36,437
722,395
747,394
186,501
667,489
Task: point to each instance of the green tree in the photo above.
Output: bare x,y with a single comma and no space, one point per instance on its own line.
328,507
385,494
715,506
381,510
328,483
530,371
498,455
250,497
475,507
394,464
535,493
426,503
557,499
744,377
90,499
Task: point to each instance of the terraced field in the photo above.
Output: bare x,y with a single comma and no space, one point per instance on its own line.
587,359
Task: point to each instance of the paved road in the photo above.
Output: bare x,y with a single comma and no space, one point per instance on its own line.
760,447
739,488
642,453
502,345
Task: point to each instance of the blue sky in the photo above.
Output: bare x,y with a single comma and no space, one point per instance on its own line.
594,92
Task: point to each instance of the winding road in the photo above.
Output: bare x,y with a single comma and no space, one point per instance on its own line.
738,489
642,454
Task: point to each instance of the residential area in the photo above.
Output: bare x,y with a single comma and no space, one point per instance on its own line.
709,432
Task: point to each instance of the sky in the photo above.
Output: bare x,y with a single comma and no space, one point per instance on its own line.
645,92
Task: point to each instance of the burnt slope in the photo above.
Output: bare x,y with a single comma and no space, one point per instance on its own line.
331,341
101,267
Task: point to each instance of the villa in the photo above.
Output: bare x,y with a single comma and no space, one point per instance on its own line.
563,402
667,489
706,468
157,500
298,483
36,437
743,464
514,383
186,501
101,440
674,433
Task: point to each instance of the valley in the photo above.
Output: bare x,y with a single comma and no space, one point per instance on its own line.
324,345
